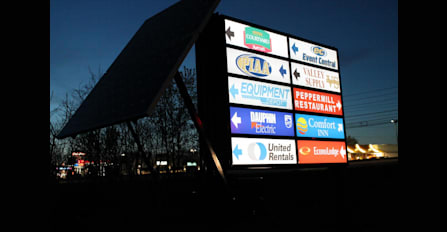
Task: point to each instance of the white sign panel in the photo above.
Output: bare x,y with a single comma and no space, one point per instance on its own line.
245,36
257,66
252,151
304,75
313,54
257,93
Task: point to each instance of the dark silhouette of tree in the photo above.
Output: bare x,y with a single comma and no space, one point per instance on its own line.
351,141
168,131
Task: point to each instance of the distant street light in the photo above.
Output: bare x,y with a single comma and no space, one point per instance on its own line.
394,121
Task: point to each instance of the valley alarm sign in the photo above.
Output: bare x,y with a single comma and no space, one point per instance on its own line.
284,105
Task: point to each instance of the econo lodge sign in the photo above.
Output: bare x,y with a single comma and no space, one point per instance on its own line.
318,152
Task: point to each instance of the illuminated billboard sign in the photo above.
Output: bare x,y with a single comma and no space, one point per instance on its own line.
261,122
252,151
319,126
246,36
317,152
318,102
257,93
257,66
313,54
318,78
283,96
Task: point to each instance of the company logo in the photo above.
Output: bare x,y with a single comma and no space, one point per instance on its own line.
304,151
288,121
259,154
319,51
257,39
253,65
258,119
301,125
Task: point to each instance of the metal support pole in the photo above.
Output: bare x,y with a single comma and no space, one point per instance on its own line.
197,122
139,145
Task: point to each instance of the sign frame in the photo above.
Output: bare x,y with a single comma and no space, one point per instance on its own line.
220,33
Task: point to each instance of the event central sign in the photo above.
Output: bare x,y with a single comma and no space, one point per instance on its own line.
313,54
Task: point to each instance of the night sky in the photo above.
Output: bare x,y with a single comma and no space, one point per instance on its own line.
91,34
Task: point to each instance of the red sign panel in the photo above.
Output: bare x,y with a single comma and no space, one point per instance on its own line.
318,102
320,152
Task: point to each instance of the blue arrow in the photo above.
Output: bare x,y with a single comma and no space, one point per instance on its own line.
237,152
294,48
282,71
234,91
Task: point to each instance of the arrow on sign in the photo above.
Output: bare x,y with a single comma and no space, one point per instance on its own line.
236,120
229,33
282,71
340,127
294,48
237,152
342,152
338,105
234,91
296,74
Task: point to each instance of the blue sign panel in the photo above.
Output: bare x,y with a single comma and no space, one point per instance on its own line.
319,126
260,122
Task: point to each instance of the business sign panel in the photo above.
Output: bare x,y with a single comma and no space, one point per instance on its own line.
318,102
245,36
261,122
257,66
317,78
319,126
253,151
320,152
313,54
257,93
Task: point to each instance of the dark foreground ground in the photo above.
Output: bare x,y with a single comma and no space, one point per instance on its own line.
366,196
